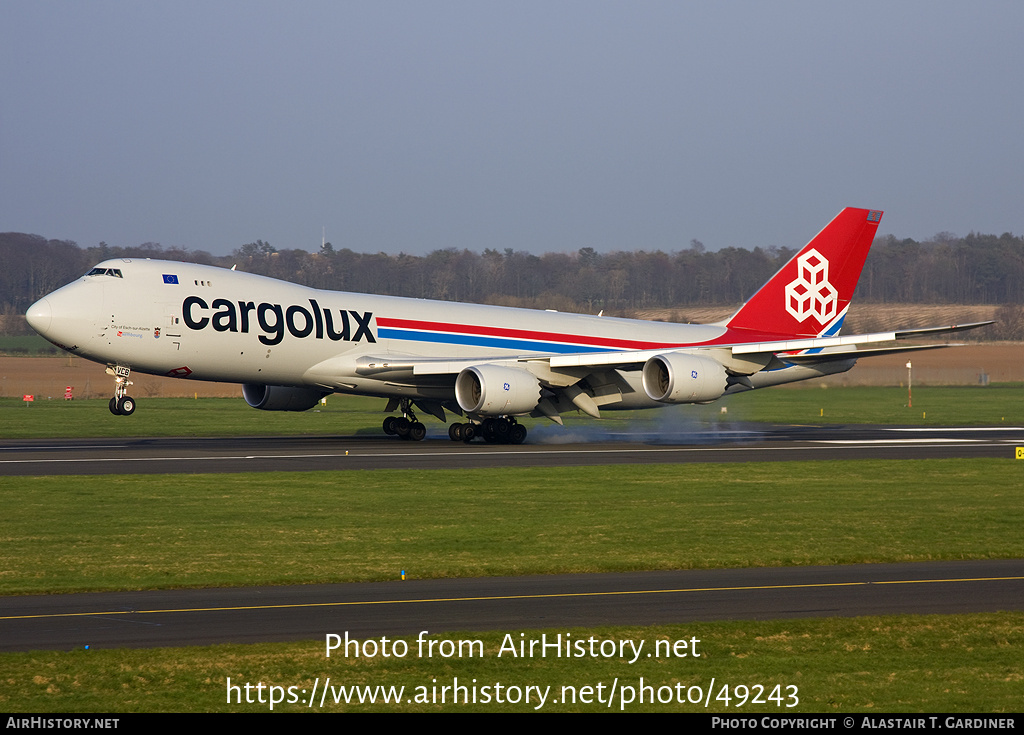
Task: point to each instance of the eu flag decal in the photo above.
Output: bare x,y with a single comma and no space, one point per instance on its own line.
169,278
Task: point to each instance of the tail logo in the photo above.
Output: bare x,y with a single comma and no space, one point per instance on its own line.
810,294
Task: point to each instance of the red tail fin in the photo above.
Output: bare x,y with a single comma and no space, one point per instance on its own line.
809,295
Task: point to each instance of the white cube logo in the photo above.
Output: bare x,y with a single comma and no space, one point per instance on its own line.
811,294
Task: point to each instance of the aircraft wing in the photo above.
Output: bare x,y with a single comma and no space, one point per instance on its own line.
562,373
795,351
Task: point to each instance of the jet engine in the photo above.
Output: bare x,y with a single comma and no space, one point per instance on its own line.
494,390
680,377
281,397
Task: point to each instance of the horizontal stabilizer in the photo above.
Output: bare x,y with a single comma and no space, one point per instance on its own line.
793,345
820,357
911,333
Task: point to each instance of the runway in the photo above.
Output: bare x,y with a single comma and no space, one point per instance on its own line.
750,443
509,604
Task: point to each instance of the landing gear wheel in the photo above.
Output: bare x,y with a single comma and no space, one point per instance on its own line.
468,433
487,431
121,404
518,434
405,426
455,432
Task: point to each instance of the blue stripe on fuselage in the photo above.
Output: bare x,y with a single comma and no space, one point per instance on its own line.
480,341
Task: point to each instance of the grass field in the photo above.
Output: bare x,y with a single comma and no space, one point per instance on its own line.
146,531
27,346
1001,404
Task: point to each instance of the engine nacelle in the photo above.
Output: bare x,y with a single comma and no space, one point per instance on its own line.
494,390
680,377
281,397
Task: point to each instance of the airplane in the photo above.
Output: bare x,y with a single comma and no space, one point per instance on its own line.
290,345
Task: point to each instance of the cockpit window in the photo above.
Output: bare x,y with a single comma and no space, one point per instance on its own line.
115,272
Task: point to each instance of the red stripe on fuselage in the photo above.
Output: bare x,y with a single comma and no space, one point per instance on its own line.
729,337
620,344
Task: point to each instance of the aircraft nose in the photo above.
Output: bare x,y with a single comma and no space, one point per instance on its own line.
39,316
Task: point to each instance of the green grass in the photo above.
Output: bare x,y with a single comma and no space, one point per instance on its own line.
186,417
116,532
932,405
350,415
956,663
28,346
995,404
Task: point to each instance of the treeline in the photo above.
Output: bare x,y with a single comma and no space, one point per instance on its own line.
976,269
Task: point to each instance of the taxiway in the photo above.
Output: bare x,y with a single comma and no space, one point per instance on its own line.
309,612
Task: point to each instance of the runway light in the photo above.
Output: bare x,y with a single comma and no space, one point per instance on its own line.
403,574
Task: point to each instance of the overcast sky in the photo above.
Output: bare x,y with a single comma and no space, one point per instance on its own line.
538,126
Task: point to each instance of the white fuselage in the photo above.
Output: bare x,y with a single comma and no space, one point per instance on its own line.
207,323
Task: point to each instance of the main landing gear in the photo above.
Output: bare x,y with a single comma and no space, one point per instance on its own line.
121,404
493,431
405,426
503,430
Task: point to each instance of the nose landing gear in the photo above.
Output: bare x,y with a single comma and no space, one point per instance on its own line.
121,404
